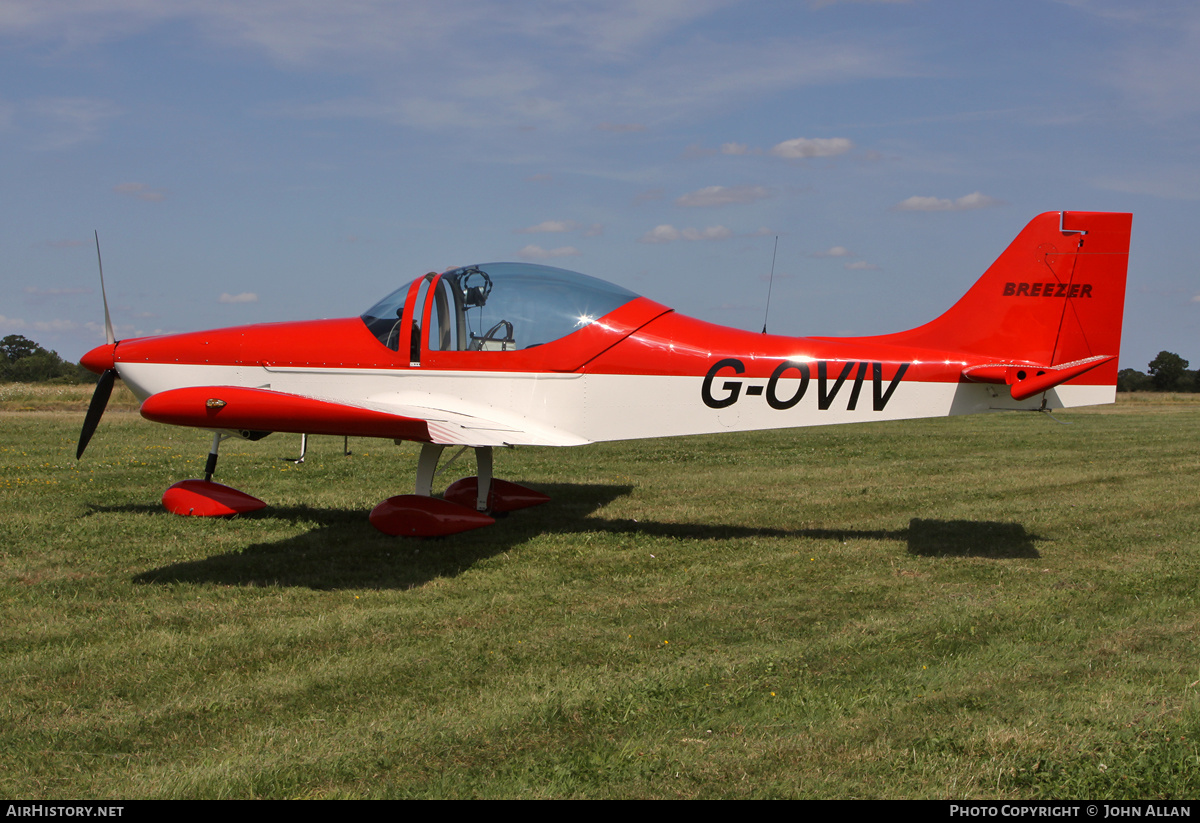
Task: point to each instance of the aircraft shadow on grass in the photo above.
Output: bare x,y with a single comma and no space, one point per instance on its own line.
342,550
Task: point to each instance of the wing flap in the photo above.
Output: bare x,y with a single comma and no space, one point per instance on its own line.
456,428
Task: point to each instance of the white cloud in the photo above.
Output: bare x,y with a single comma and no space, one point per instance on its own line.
796,149
667,233
633,65
804,147
835,251
724,196
55,325
562,227
140,190
711,233
532,252
861,265
916,203
15,324
244,297
660,234
550,227
975,200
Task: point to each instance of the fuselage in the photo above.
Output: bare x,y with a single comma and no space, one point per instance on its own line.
642,370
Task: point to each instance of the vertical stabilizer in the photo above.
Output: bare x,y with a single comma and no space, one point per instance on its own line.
1056,295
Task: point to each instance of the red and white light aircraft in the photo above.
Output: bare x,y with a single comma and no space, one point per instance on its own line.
513,354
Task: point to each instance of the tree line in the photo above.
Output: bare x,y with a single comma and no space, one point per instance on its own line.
23,361
1167,372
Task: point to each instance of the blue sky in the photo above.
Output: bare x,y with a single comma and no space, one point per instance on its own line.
258,161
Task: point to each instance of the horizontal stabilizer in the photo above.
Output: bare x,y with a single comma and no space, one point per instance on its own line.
1025,381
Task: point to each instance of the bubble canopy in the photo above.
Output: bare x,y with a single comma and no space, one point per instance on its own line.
497,307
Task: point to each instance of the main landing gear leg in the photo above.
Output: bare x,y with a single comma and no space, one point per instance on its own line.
466,504
204,498
483,473
210,465
299,461
427,463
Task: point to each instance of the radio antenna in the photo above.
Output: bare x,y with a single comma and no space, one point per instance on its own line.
770,283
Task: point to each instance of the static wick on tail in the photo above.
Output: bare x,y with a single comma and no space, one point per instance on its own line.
770,283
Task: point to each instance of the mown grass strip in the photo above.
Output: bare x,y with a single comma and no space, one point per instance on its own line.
990,606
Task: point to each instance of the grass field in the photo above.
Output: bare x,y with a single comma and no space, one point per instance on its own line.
981,607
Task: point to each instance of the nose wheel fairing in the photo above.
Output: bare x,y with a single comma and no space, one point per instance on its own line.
204,498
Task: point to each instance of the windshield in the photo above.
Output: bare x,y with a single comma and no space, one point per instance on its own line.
383,319
501,307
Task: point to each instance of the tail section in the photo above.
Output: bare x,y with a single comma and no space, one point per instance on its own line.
1054,298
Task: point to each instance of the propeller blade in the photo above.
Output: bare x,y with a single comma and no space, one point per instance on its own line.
104,387
109,337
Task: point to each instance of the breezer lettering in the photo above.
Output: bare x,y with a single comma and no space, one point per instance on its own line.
830,380
1070,290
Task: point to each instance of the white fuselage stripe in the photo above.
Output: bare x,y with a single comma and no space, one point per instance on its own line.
571,409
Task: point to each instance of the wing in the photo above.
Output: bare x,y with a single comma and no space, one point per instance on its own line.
237,408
